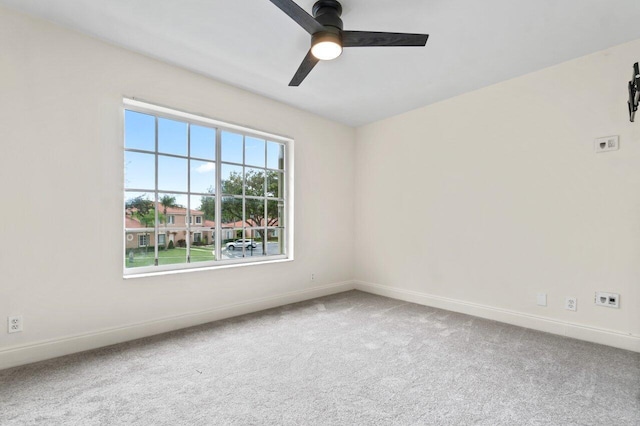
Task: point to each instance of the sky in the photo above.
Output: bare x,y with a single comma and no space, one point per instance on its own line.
173,139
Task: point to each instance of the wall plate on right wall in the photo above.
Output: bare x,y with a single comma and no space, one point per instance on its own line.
607,143
610,300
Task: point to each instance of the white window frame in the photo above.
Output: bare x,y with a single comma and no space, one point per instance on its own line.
198,220
171,219
146,240
287,226
164,237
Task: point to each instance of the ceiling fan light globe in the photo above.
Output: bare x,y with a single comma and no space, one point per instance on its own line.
326,50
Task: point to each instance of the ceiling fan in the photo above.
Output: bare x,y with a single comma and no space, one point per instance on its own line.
328,38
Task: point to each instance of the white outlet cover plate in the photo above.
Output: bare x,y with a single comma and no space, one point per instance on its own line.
607,143
541,299
571,304
14,324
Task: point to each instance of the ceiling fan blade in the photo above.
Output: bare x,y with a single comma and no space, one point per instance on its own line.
372,38
299,15
304,69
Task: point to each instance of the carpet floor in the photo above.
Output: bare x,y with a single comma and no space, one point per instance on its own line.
347,359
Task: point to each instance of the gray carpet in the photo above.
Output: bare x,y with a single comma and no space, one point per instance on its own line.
346,359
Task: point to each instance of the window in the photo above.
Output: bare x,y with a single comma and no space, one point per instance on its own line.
143,240
232,180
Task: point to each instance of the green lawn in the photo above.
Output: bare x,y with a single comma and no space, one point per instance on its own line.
168,257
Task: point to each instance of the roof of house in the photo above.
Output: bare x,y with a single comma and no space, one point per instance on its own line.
241,224
178,210
130,222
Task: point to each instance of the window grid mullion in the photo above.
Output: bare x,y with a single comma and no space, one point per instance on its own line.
265,236
189,217
218,199
244,200
155,205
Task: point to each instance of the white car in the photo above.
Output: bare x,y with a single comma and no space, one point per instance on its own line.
241,243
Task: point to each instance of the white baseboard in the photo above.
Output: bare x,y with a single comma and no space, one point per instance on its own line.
591,334
40,351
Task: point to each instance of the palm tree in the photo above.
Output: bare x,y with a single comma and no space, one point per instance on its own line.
167,201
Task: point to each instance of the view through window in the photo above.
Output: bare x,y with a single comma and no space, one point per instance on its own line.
198,193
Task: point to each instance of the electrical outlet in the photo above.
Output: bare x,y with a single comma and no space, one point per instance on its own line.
571,304
610,300
313,277
14,324
608,143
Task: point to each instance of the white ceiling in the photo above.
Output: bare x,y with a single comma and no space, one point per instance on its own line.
253,45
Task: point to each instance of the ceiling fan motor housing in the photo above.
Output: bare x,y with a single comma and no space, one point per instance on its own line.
327,13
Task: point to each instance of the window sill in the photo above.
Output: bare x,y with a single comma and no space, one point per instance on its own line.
146,274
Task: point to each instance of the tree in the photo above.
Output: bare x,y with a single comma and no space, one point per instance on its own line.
208,205
167,201
140,204
142,209
255,210
147,220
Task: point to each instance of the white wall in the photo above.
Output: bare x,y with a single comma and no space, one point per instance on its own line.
473,204
479,202
62,178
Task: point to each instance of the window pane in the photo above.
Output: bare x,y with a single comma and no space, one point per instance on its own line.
205,251
253,242
139,131
228,234
172,137
138,210
254,182
254,212
139,249
171,210
138,214
203,142
275,184
231,212
139,170
257,236
254,152
231,179
275,211
175,251
203,176
241,245
202,229
196,217
172,173
202,246
275,241
275,155
231,147
205,207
